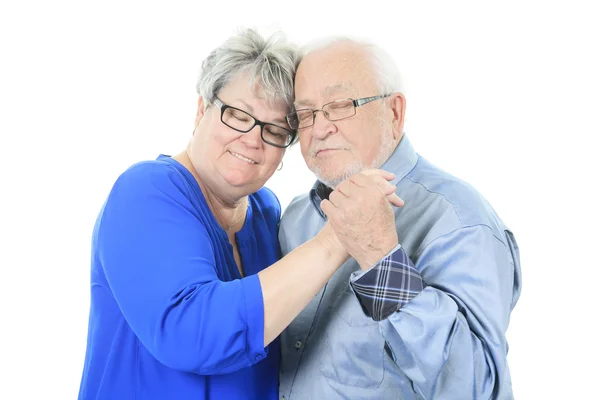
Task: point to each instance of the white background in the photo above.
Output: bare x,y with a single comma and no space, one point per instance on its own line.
503,95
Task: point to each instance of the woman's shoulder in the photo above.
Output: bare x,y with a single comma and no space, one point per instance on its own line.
160,173
149,183
267,202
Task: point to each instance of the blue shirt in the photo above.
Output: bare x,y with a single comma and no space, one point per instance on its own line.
171,317
446,340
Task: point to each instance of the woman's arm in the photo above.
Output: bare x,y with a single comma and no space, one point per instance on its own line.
289,284
160,267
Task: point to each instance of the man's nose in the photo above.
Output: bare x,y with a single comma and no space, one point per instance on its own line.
322,127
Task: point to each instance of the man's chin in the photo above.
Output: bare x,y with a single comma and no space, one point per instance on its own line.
334,178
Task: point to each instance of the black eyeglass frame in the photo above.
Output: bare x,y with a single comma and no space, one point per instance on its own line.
223,107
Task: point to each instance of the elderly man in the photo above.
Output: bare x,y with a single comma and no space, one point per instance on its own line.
422,307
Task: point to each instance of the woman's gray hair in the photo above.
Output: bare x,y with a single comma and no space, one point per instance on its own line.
270,63
387,73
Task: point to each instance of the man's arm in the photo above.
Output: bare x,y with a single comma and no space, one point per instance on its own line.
449,338
445,322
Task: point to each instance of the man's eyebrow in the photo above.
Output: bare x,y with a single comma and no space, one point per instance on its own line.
302,103
344,87
340,87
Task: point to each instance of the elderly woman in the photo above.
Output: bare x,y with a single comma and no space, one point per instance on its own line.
188,294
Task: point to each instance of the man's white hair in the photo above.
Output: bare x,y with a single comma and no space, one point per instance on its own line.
270,63
385,68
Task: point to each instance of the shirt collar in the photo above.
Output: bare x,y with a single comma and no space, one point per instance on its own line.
400,163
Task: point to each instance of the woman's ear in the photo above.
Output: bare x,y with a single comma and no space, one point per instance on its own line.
199,111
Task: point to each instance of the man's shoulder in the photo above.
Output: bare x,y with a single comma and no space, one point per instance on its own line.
299,223
298,210
455,195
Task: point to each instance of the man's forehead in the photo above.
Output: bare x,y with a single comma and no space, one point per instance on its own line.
342,87
329,92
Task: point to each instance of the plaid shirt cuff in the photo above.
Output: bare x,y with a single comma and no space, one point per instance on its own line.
387,286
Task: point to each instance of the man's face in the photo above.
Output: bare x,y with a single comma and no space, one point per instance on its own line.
335,150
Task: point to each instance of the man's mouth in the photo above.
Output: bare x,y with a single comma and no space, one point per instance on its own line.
324,152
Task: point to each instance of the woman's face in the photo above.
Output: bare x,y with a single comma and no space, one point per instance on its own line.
221,154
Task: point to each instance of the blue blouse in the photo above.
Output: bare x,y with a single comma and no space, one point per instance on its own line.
170,316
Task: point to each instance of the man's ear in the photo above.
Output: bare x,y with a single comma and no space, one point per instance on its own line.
199,111
398,105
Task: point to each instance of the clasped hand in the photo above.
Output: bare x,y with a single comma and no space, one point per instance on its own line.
360,212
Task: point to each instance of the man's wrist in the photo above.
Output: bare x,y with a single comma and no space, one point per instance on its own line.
388,285
374,256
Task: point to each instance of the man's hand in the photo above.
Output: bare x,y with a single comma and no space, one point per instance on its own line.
360,213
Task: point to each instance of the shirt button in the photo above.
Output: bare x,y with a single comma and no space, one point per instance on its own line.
258,357
298,344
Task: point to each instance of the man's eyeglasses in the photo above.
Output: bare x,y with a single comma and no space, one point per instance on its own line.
241,121
334,111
